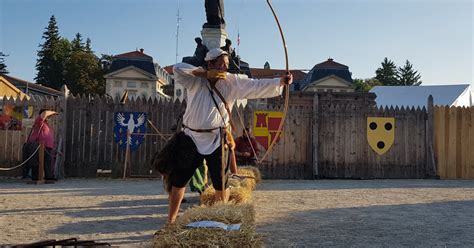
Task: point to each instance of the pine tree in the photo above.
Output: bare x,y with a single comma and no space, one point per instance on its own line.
387,74
3,66
408,76
88,46
76,44
51,57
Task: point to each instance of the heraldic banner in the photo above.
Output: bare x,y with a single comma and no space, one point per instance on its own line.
134,122
265,126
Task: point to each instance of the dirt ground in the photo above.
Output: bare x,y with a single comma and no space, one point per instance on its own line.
324,213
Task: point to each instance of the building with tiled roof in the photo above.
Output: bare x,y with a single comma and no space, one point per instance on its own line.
325,76
32,89
257,73
275,73
136,73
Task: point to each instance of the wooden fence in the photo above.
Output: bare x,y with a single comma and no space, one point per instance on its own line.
321,139
11,141
90,141
454,142
343,150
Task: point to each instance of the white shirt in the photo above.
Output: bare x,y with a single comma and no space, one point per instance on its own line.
201,111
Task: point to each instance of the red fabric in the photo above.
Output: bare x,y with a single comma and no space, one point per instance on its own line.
242,145
44,135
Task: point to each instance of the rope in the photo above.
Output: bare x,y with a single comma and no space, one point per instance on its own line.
24,162
158,132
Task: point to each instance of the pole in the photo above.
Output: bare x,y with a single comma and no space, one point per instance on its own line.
127,155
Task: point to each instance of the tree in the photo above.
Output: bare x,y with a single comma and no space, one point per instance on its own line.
364,85
408,76
50,62
83,71
88,46
77,44
387,74
3,66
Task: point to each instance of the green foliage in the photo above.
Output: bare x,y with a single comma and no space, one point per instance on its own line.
408,76
387,74
84,74
364,85
3,66
50,62
73,63
390,75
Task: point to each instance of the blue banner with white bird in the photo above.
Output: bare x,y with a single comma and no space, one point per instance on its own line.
134,122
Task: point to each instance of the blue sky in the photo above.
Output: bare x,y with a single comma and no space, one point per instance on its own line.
436,36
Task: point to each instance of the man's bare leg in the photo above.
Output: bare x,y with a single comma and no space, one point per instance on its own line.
175,198
222,195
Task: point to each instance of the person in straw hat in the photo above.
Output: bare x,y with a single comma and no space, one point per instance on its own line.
211,93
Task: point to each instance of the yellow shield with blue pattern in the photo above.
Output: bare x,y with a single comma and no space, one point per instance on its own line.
380,133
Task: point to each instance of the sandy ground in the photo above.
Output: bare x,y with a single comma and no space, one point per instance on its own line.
324,213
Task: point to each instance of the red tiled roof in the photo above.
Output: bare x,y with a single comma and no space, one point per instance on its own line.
273,73
134,54
260,73
330,63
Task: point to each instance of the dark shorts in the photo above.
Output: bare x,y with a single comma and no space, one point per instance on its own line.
188,159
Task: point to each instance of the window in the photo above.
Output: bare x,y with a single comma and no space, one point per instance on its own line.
144,85
118,83
131,84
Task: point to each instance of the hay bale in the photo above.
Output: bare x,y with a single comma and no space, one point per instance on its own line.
248,183
237,195
178,235
250,171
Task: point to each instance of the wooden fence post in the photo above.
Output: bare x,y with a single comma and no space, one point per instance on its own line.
430,161
315,138
61,146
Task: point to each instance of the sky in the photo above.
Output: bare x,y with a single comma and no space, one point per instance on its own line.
436,36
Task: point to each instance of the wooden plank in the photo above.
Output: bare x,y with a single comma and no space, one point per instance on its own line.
465,133
315,135
17,146
3,145
451,156
471,145
443,142
458,139
429,134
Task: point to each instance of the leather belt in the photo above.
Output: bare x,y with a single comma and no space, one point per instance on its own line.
201,130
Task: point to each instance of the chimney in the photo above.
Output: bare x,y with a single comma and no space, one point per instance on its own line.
141,50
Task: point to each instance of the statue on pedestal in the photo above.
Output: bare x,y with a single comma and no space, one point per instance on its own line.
199,54
214,14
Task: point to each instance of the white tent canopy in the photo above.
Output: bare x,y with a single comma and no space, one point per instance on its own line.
459,95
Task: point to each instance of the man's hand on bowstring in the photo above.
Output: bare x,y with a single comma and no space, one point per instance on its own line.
286,79
214,75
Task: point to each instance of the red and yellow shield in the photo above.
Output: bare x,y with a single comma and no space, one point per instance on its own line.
265,126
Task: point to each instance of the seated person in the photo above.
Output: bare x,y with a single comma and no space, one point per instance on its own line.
243,148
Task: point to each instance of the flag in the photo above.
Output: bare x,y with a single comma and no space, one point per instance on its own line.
238,39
